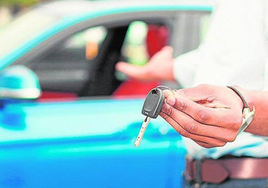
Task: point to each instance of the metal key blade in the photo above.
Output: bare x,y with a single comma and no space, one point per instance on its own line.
142,130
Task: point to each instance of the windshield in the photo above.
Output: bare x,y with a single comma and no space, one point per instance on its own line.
22,29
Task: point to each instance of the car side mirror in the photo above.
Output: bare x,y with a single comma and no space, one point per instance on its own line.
19,82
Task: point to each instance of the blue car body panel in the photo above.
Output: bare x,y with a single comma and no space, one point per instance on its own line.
69,145
92,164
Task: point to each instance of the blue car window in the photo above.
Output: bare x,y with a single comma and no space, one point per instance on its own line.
89,40
68,63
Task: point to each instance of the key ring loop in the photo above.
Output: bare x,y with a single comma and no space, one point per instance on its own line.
162,87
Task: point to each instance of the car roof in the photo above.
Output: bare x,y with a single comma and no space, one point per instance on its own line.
65,9
72,12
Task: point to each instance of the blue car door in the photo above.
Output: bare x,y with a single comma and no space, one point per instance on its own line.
86,143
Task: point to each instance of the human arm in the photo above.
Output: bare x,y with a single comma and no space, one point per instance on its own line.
159,67
212,115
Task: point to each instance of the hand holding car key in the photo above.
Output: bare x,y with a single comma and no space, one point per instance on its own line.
151,109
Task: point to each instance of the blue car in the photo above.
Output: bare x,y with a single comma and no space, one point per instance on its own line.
68,118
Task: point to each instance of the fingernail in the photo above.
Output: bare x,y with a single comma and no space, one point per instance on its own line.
171,100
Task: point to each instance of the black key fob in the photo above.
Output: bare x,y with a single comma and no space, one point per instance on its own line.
153,103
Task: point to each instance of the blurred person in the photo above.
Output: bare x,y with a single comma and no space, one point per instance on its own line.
234,52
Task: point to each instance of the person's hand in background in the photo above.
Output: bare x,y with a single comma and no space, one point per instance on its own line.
159,67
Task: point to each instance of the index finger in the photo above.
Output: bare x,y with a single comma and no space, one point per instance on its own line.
200,92
205,115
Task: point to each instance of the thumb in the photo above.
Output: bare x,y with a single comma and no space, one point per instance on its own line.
165,53
168,49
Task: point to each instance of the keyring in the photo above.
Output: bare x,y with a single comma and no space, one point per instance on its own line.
162,87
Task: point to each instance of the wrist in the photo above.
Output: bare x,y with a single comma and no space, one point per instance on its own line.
260,122
168,73
248,110
259,100
246,97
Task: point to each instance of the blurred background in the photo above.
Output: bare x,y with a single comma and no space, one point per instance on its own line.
67,117
10,8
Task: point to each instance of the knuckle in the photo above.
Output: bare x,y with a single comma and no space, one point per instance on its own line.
235,123
231,138
191,127
221,144
209,146
169,112
203,116
164,116
213,145
238,121
182,106
166,110
205,145
185,134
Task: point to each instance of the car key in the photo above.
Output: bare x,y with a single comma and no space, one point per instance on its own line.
151,109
